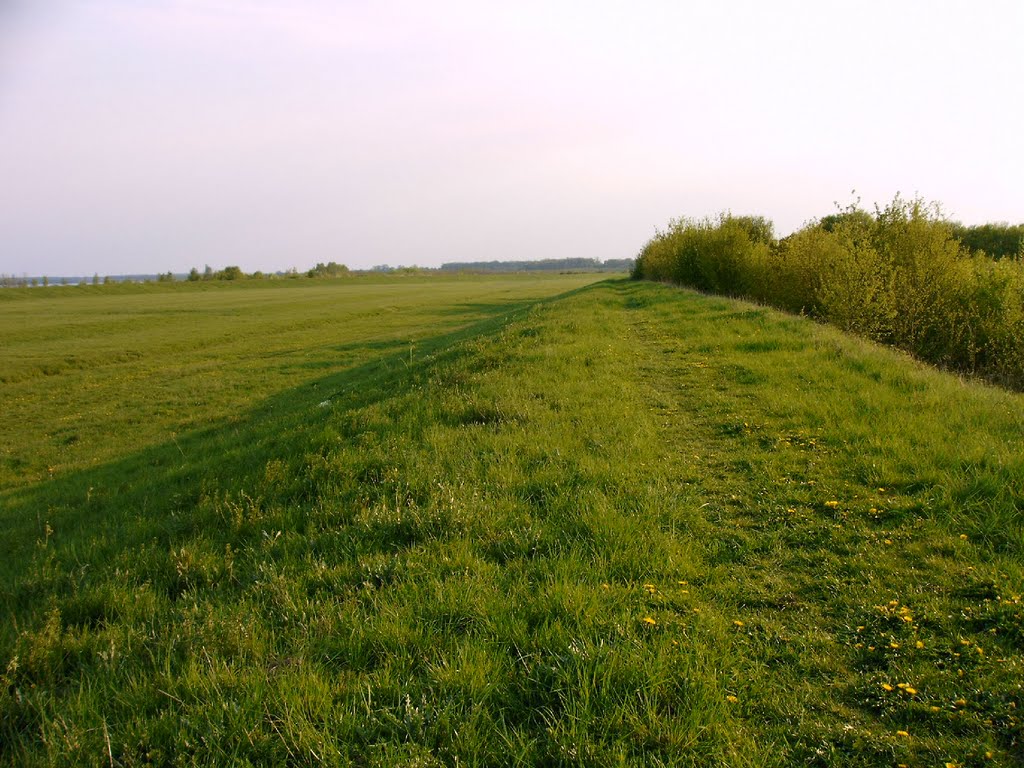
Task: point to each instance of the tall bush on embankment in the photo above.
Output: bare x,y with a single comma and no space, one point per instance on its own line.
900,276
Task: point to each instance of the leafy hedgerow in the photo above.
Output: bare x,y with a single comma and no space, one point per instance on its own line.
900,276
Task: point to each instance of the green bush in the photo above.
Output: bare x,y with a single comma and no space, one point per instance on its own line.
901,276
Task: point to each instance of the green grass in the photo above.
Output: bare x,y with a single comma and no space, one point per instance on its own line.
510,521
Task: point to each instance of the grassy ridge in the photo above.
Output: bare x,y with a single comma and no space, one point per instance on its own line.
633,525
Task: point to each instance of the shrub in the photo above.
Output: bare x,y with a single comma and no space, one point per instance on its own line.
901,276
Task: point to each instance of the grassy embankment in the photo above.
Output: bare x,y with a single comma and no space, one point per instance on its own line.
628,525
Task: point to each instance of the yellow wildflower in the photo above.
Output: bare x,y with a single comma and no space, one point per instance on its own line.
832,504
911,691
902,733
919,645
886,687
731,699
649,621
738,623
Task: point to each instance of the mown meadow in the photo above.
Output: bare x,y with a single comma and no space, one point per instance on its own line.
557,520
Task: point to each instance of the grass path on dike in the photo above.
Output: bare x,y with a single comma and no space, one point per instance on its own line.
631,525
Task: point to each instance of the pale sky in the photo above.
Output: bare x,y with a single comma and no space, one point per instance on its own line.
149,135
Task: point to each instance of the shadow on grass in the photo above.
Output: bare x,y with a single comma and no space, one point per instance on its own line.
84,519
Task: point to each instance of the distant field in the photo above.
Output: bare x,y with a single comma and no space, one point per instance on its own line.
493,521
90,373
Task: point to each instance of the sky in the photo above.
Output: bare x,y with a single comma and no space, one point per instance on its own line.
142,136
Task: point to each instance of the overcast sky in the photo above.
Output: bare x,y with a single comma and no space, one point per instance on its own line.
149,135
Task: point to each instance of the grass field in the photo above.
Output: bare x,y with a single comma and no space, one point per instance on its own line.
494,521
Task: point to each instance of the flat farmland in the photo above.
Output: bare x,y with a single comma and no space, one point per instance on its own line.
94,371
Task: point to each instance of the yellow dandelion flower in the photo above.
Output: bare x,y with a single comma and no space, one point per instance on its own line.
980,650
907,618
888,541
989,754
961,702
738,623
919,645
873,511
832,504
649,621
911,691
886,687
901,686
894,645
860,628
606,586
934,709
859,645
731,699
952,765
902,733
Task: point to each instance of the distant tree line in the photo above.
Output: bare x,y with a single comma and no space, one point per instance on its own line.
998,241
228,273
543,265
330,269
333,269
902,275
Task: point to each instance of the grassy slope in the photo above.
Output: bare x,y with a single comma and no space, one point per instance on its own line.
98,371
631,525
